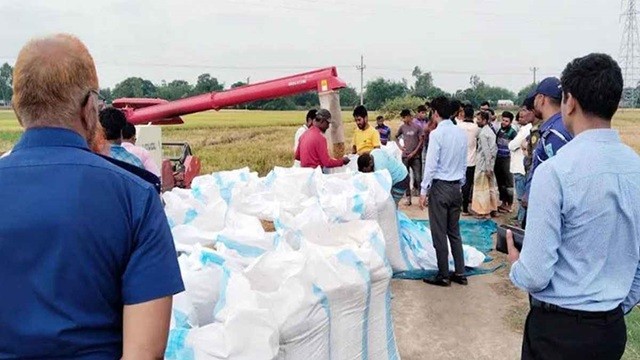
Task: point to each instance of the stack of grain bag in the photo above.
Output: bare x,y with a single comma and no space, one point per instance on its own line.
315,288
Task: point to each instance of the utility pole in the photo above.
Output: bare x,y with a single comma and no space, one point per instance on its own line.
534,70
361,68
248,79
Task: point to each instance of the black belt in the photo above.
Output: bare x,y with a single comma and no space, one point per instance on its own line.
584,314
446,181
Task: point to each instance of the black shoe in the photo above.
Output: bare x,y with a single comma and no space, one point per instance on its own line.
460,279
439,280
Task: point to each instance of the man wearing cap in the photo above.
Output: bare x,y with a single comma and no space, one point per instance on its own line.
545,101
580,261
312,150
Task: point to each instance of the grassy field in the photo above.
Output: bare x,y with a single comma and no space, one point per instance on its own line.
233,139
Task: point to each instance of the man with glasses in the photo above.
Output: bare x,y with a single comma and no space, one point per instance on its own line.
89,264
312,150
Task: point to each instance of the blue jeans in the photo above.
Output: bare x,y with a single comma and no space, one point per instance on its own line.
521,182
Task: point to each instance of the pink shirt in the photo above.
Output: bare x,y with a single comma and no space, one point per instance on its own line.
144,156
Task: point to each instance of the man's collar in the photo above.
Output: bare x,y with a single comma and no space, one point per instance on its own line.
50,136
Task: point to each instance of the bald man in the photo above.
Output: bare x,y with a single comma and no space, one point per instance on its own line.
88,262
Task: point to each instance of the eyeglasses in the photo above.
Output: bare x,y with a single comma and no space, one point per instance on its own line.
101,98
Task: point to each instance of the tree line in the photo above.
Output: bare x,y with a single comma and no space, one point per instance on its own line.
379,92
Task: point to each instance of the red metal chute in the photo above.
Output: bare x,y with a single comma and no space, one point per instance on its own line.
158,111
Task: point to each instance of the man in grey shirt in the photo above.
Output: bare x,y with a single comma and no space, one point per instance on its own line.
412,149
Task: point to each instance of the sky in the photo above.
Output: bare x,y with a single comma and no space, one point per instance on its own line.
233,40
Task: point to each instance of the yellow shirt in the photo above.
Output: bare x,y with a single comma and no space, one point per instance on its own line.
366,140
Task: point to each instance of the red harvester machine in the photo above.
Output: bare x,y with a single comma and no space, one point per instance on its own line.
180,170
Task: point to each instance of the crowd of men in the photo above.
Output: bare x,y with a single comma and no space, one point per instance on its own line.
578,189
89,266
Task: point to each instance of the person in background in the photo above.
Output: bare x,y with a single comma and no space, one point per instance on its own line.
89,263
383,130
429,126
311,116
412,137
485,188
365,138
493,121
457,112
517,146
503,162
378,160
444,175
545,101
472,130
485,106
580,261
312,150
113,121
421,116
129,143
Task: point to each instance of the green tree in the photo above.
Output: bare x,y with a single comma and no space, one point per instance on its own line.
135,87
206,84
306,100
6,80
423,86
107,95
238,84
280,104
480,92
380,90
177,89
349,97
522,94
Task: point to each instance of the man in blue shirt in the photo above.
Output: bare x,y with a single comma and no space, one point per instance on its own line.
113,121
383,130
444,175
581,254
553,133
88,262
379,159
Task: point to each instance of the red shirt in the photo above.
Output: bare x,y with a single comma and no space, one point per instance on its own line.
312,150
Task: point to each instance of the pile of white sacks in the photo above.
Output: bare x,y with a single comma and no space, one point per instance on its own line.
315,288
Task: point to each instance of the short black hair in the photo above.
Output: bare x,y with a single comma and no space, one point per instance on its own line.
427,103
468,112
485,103
129,131
507,114
405,112
484,115
442,105
311,114
517,115
421,108
364,161
491,111
596,82
360,111
380,117
113,121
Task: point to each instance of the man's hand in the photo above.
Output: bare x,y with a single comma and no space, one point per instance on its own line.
514,254
145,327
424,201
345,160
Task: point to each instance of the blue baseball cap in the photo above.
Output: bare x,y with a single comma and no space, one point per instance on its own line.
550,87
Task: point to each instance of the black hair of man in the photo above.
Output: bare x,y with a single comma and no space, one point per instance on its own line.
311,114
364,161
129,131
596,82
421,108
380,117
442,105
405,112
508,115
113,121
360,111
484,115
485,103
427,104
491,111
468,113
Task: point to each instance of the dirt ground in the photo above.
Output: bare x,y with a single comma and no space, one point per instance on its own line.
483,320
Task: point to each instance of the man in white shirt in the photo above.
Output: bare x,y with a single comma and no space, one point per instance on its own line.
472,130
311,116
524,119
